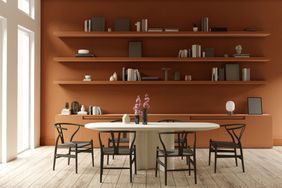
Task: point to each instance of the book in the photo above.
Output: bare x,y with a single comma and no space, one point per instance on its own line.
84,55
148,78
196,51
171,30
242,55
155,30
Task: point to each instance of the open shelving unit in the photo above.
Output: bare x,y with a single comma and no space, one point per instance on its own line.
159,60
160,82
81,34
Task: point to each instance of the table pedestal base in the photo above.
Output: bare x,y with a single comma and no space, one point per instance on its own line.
146,145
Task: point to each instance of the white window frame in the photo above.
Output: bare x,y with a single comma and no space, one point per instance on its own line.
31,11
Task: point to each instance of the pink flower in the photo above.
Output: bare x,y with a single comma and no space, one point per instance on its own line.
146,102
137,106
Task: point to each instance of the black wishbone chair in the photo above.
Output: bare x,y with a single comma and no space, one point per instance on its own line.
183,149
116,149
124,140
72,146
220,147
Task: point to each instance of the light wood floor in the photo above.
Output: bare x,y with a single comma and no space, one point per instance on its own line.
34,169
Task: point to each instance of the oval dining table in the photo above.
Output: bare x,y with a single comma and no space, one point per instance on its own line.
147,138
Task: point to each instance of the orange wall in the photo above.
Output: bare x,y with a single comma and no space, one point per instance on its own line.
68,15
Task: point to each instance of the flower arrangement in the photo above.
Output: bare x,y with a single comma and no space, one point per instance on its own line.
137,106
146,104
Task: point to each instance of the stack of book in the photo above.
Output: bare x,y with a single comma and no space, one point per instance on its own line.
84,53
242,55
155,30
150,78
171,30
196,50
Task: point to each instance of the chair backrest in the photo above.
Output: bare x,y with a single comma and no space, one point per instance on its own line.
235,131
115,137
124,135
182,137
60,127
170,120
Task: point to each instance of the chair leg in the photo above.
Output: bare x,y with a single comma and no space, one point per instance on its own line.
130,167
156,169
101,167
242,159
235,153
165,171
76,161
55,157
210,154
92,152
135,161
108,158
195,168
189,165
69,156
215,159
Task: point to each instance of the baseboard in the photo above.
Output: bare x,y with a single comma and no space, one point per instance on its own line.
277,142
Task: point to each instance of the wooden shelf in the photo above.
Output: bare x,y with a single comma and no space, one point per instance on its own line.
156,59
160,83
133,34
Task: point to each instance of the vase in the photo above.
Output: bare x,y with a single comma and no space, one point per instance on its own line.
137,119
145,114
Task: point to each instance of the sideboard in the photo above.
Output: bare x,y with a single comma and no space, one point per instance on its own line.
258,133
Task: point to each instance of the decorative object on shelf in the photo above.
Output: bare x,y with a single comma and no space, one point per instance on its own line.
126,119
204,54
226,55
109,29
114,77
133,75
255,106
144,25
96,110
230,107
82,111
66,110
166,70
246,74
171,29
87,26
232,72
195,28
238,50
219,29
146,107
177,76
138,26
83,53
205,24
135,49
75,107
209,52
188,77
98,23
214,74
221,74
87,78
90,110
137,109
183,53
122,24
196,50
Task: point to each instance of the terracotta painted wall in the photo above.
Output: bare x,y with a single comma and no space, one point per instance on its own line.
68,15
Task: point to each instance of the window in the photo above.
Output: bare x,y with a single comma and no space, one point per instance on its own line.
27,6
25,63
3,86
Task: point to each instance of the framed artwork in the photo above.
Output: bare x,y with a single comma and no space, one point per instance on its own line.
255,105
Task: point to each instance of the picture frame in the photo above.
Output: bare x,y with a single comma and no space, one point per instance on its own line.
255,106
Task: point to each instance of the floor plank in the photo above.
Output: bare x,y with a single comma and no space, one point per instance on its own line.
34,169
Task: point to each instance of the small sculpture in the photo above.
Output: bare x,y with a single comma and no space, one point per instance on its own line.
66,110
75,107
138,26
87,78
82,111
114,77
195,28
230,107
238,49
125,119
